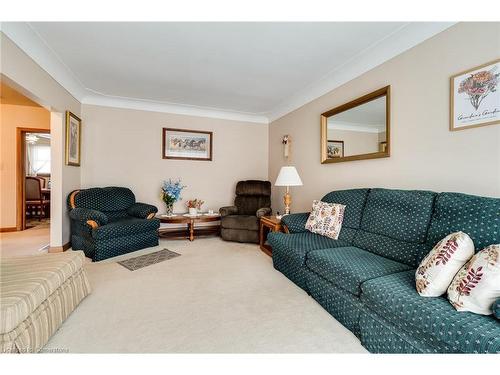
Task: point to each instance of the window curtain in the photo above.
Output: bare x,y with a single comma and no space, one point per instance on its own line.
37,159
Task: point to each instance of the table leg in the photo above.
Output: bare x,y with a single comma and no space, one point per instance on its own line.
191,230
261,235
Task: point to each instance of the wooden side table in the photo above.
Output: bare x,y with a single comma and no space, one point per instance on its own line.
268,224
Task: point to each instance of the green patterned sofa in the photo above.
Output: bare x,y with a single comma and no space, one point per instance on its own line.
107,222
366,278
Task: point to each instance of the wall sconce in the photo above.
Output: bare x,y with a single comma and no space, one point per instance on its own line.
286,141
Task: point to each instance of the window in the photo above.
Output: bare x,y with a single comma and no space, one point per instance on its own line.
38,158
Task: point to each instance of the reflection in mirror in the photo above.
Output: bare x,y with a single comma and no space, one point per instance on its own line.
357,130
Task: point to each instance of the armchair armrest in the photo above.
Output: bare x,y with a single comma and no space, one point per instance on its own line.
295,223
93,218
264,211
142,210
228,210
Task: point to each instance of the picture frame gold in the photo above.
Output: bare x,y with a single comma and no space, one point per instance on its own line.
382,92
73,139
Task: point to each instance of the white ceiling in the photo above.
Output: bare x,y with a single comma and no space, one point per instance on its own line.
249,71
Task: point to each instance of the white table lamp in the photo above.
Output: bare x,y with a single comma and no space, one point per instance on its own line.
288,176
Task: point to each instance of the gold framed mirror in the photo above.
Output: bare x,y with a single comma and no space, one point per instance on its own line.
357,130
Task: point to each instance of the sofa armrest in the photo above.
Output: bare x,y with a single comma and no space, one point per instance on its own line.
295,223
228,210
93,218
264,211
142,210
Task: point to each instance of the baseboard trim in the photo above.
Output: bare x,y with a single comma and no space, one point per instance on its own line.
8,229
60,249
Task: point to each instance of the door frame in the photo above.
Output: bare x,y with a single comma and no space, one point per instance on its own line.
21,173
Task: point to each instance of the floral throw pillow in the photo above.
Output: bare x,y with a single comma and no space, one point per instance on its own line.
439,267
476,286
326,219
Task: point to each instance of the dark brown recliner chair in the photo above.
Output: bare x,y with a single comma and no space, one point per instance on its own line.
240,222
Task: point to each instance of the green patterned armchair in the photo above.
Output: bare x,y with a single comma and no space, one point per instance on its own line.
107,222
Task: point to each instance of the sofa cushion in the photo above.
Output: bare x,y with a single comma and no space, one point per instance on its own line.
436,272
297,245
290,251
354,200
117,215
326,219
430,320
409,253
25,282
105,199
248,222
125,227
476,286
348,267
399,214
479,217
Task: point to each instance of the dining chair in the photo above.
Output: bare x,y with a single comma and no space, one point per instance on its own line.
34,197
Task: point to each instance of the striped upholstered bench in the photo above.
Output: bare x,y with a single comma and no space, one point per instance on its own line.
37,293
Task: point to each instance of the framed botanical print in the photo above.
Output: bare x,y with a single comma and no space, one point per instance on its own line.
475,98
73,139
185,144
335,149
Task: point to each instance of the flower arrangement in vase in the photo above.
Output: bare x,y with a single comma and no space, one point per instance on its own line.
194,205
171,193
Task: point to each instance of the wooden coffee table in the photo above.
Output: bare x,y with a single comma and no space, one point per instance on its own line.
191,230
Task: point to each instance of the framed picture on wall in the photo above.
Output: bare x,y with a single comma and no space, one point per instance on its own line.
475,97
185,144
382,147
73,139
335,149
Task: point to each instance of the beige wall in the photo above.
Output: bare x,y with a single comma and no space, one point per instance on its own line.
38,85
424,153
123,147
12,117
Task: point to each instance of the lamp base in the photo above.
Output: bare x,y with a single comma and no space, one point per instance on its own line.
287,200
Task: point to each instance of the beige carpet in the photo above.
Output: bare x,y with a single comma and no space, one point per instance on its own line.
32,241
217,297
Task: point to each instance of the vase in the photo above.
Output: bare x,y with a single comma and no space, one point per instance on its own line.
193,211
170,208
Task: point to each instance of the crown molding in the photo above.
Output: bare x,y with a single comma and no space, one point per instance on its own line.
23,35
164,107
403,39
355,127
28,40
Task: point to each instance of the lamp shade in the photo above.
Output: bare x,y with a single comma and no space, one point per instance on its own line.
288,176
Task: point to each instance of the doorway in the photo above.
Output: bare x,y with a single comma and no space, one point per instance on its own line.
33,177
23,116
